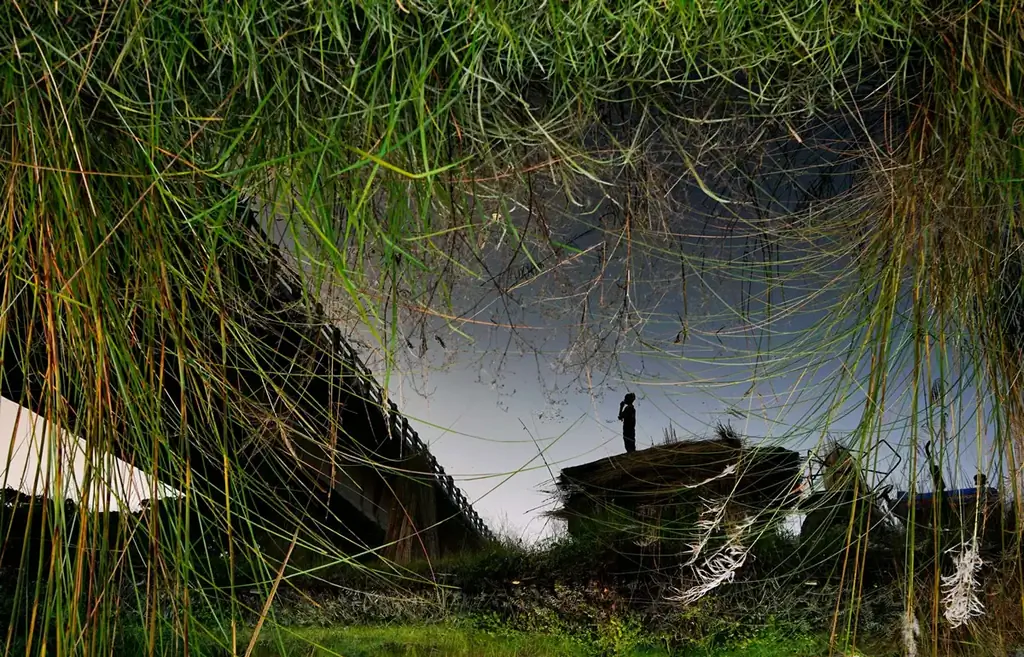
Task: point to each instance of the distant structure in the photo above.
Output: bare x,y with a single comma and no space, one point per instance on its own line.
668,485
951,509
843,495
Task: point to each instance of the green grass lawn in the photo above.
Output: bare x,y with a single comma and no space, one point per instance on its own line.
767,645
445,641
410,641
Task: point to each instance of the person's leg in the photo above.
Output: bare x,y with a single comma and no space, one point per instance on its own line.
630,443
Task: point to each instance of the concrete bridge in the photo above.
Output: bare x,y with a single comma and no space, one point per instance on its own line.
291,410
411,497
386,472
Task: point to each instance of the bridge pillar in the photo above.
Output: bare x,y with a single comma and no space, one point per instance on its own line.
412,521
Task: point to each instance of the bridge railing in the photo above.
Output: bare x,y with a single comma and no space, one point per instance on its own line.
398,424
410,439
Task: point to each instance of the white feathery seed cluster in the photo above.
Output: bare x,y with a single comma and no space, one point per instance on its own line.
911,630
716,570
721,565
961,587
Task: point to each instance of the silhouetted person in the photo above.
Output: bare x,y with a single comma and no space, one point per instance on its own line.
627,415
939,487
981,483
936,469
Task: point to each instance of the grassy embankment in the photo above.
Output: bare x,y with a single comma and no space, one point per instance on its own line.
437,641
463,641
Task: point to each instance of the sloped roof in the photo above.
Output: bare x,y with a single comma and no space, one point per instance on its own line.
718,466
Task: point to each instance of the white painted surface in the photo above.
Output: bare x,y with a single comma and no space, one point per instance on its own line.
40,459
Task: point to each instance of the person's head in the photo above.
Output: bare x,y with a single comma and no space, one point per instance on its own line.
980,480
630,398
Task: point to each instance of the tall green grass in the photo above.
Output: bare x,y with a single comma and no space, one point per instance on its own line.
394,137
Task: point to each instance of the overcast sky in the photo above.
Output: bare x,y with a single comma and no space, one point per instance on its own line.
499,393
